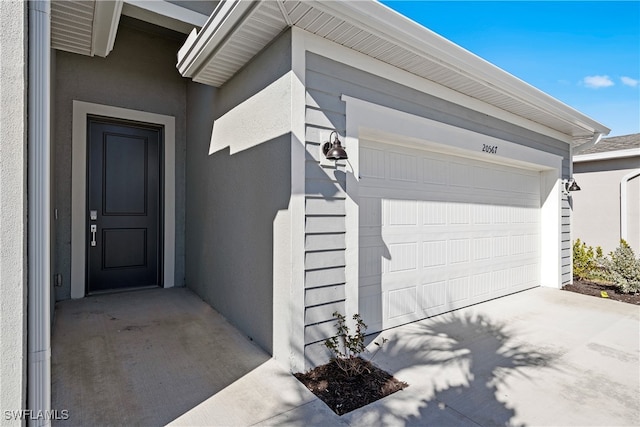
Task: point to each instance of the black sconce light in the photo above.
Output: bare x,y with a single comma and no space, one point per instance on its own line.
333,150
570,185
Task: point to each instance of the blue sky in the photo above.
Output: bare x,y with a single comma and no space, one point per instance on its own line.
584,53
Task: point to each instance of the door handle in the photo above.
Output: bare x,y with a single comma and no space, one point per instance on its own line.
93,229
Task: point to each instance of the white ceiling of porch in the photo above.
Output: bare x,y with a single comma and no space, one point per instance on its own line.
72,25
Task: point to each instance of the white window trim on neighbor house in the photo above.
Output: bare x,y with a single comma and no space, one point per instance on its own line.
79,187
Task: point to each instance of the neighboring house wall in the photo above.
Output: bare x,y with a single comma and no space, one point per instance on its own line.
326,81
13,202
238,188
139,74
596,218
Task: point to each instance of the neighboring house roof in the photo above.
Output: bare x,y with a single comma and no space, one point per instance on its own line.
237,30
611,148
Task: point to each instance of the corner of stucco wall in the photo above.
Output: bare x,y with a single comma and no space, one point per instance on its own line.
13,221
238,195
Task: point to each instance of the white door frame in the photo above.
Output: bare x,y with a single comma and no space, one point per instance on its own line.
79,187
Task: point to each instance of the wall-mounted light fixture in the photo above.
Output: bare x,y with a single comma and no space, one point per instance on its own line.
569,185
333,150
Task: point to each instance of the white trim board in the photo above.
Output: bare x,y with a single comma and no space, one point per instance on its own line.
606,155
379,122
79,187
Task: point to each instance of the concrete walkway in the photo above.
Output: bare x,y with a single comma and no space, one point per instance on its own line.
540,357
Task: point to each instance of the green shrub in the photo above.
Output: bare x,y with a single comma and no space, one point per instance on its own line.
587,263
624,268
346,348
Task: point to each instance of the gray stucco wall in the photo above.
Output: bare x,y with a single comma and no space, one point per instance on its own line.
596,207
13,212
138,74
326,81
233,198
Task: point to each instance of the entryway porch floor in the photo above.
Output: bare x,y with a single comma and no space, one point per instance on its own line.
148,357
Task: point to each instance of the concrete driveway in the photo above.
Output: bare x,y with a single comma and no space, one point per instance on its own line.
539,357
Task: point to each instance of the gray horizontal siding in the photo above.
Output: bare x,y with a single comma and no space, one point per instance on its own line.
324,295
328,241
325,226
320,331
324,259
324,277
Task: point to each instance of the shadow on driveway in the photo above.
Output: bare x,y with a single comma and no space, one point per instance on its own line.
457,364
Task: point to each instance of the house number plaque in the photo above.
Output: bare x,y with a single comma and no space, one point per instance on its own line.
493,149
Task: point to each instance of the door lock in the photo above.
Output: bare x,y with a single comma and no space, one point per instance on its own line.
93,229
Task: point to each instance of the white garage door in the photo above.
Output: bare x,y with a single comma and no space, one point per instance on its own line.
439,232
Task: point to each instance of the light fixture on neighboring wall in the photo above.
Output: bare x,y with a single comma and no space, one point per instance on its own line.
569,185
333,150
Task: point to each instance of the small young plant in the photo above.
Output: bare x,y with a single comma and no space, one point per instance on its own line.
346,348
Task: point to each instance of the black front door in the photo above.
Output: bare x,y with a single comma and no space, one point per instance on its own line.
123,217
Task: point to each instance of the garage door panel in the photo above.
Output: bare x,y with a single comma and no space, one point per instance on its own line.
432,296
402,303
402,167
370,211
403,256
434,253
401,212
440,232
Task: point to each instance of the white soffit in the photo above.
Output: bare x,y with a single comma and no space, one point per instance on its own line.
89,27
86,27
72,26
239,29
164,14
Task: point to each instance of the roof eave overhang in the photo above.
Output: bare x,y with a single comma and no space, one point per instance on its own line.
105,26
201,45
407,32
376,18
89,27
86,28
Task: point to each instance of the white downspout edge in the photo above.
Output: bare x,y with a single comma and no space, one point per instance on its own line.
39,212
580,148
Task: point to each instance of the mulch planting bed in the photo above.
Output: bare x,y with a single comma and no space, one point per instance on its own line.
595,289
344,394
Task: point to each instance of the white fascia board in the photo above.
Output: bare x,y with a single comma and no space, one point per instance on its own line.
399,29
200,45
106,17
170,10
618,154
